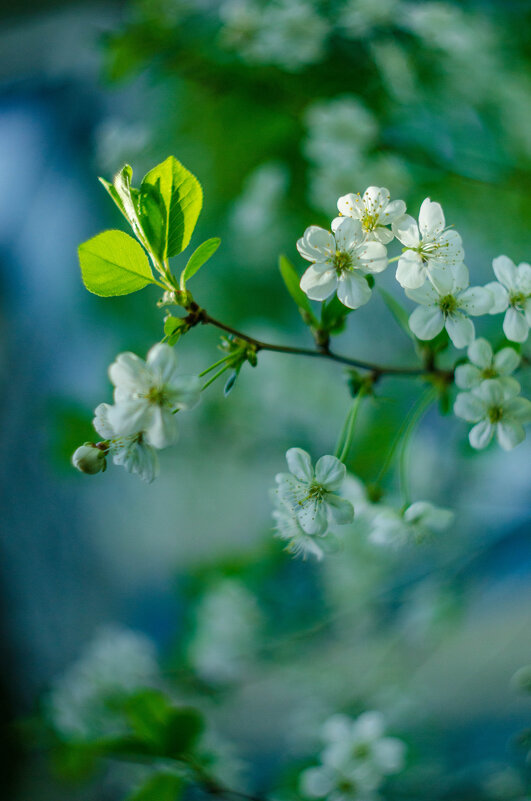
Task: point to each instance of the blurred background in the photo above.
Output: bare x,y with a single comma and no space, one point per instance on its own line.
278,108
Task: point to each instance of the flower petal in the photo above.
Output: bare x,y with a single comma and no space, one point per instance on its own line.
101,421
340,509
162,361
330,472
406,231
480,353
316,244
515,325
348,233
518,409
481,434
460,329
300,464
318,285
184,392
411,271
373,256
476,300
162,429
491,392
467,376
129,417
350,206
353,290
506,361
312,516
129,373
431,218
523,280
426,294
509,434
426,322
468,406
505,271
500,297
393,211
443,279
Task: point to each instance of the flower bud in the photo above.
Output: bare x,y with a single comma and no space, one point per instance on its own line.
89,459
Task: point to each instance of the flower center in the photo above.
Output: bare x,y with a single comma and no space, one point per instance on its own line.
370,221
447,304
157,396
517,300
342,261
361,751
316,491
489,372
495,414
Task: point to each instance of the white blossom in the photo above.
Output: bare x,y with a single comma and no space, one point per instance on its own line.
428,244
90,459
483,364
356,758
339,131
287,33
117,662
359,17
375,210
340,262
148,393
131,451
288,528
512,295
446,301
417,522
310,494
496,410
227,623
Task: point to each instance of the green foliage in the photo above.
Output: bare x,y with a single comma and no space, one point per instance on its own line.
173,328
201,255
160,727
112,263
334,315
292,282
182,197
160,787
399,313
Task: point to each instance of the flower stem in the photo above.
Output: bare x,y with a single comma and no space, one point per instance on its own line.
415,417
212,366
214,377
345,439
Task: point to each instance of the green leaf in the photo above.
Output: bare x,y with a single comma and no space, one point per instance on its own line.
398,312
127,196
161,787
152,216
183,199
182,731
292,281
333,315
201,255
148,713
112,263
173,328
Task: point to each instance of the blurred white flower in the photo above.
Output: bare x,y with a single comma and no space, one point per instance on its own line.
496,410
446,301
356,758
116,663
359,17
339,130
483,364
310,494
374,210
428,245
131,451
287,33
421,519
227,621
512,292
148,393
340,262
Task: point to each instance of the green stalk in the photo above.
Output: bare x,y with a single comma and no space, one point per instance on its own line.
347,432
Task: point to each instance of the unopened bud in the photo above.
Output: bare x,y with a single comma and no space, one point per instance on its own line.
89,459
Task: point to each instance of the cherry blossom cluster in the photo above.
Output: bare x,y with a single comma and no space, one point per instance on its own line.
356,758
147,396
